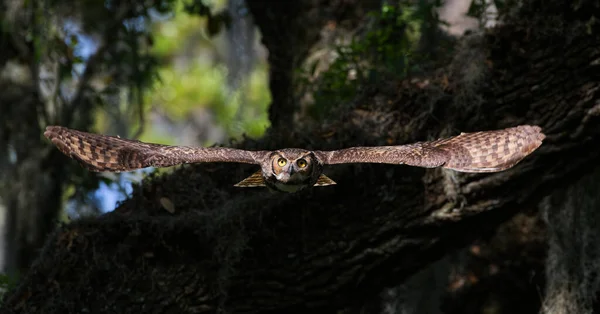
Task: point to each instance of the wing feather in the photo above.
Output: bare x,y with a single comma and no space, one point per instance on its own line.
109,153
486,151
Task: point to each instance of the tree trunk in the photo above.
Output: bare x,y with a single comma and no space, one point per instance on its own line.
330,248
29,190
289,29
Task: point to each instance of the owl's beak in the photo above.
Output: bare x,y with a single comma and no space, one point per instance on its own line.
292,171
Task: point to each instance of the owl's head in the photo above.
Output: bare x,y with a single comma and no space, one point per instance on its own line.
289,170
293,166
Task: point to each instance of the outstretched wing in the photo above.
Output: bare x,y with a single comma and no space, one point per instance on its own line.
487,151
109,153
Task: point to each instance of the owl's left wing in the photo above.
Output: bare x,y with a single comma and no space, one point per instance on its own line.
114,154
487,151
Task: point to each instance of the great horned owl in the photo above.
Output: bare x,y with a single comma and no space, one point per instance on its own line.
293,169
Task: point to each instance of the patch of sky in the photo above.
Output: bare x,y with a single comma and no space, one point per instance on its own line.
107,196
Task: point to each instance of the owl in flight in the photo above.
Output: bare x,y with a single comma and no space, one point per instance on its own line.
293,169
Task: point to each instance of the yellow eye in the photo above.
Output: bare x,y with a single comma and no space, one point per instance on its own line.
281,162
301,163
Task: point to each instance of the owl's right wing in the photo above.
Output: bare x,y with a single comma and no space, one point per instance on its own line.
114,154
487,151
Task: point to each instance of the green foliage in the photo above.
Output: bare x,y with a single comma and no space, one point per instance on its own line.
215,21
385,51
180,92
202,82
7,283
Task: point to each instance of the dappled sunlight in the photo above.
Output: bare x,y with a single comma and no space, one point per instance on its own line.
193,86
192,102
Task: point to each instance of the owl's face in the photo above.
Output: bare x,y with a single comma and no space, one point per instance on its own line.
291,170
291,167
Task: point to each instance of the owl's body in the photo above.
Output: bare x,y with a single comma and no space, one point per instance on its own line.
294,169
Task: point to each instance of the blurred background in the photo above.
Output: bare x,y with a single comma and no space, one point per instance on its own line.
178,72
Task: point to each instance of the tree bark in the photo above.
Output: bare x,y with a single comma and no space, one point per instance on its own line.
250,251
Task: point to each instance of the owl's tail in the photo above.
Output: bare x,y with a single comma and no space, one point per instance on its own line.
491,151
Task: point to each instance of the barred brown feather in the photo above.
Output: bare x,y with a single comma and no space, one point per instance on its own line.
486,151
109,153
490,151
